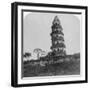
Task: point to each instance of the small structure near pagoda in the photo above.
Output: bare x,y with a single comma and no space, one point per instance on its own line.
57,37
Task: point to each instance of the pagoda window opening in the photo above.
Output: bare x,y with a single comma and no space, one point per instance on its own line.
58,49
60,35
55,49
55,42
60,41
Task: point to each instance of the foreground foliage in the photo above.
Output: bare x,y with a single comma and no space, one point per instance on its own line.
69,65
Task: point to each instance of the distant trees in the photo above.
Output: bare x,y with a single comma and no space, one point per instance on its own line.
43,53
38,52
27,55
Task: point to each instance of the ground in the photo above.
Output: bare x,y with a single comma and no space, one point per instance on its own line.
65,67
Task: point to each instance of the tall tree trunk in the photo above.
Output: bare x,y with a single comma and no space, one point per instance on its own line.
38,56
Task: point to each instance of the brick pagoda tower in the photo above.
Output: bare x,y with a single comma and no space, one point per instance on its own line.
57,36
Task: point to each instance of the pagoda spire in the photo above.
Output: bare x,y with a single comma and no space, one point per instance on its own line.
57,37
56,20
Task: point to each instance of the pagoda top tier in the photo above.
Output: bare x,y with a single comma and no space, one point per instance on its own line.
56,25
56,20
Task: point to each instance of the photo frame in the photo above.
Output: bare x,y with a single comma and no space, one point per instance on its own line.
49,44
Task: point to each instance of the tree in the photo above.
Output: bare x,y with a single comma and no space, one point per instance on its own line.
43,53
27,55
38,52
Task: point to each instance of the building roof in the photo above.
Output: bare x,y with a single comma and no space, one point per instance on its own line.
60,38
57,32
61,45
56,20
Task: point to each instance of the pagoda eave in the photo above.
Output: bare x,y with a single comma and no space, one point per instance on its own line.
56,32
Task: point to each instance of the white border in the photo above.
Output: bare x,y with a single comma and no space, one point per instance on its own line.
52,78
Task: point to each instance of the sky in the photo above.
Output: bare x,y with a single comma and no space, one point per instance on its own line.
37,29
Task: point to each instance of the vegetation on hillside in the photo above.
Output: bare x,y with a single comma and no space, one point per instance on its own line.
49,66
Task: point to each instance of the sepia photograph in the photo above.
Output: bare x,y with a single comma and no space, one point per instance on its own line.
49,44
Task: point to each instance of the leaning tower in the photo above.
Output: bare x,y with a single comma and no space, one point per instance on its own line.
57,37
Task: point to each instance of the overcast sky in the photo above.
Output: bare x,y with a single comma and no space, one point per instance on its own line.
37,29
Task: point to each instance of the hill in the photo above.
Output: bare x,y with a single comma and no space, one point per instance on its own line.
48,66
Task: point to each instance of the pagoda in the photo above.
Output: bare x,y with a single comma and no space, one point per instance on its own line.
57,37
